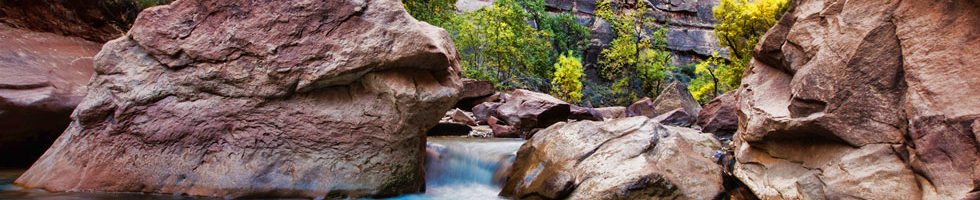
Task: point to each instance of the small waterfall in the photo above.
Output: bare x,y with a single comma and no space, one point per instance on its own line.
466,168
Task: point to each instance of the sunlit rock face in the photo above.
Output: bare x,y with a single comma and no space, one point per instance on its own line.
624,158
864,99
232,98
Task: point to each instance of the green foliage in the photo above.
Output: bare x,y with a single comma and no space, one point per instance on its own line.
436,12
640,65
707,84
567,84
741,23
498,43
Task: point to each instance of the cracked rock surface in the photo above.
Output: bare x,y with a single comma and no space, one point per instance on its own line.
624,158
863,99
231,98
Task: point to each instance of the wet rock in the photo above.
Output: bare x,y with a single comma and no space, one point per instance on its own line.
229,98
42,79
676,117
676,96
502,131
643,107
626,158
878,109
718,116
611,112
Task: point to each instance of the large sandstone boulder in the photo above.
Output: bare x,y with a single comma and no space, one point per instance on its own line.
718,116
864,99
232,98
626,158
676,96
42,79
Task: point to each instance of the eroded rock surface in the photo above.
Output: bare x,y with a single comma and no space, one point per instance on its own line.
42,79
626,158
864,99
676,96
231,98
718,116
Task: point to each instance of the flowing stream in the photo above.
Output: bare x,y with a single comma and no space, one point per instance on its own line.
456,168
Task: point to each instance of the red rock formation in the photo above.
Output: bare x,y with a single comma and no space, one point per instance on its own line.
718,116
95,20
231,98
864,99
42,79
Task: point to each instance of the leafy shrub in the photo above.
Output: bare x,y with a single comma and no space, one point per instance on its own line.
638,65
741,23
706,86
567,83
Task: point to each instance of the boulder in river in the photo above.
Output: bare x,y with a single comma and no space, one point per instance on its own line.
864,100
42,79
526,110
626,158
233,98
676,117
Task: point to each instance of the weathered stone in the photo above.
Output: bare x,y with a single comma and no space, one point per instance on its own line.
612,112
626,158
230,98
526,110
502,131
643,107
95,20
676,117
718,116
484,111
863,99
475,88
42,79
462,117
676,96
583,113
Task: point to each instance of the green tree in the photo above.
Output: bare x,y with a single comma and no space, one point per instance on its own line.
741,23
639,63
567,84
706,86
436,12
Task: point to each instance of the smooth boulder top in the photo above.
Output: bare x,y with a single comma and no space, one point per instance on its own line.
625,158
863,99
234,98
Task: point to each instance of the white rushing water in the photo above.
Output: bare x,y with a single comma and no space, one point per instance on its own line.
464,167
456,168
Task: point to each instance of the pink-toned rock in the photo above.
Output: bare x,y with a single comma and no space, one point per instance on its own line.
231,98
462,117
676,96
611,112
526,110
42,79
864,100
475,92
718,116
643,107
625,158
676,117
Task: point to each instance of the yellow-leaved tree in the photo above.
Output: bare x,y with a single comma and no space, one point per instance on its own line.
567,83
741,23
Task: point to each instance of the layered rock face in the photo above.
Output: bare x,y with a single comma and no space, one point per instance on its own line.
95,20
864,99
42,79
626,158
232,98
